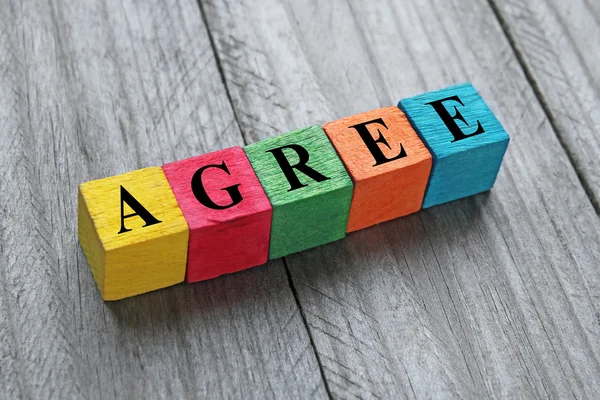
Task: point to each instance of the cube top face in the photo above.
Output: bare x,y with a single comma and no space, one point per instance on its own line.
149,188
216,187
453,120
307,149
376,142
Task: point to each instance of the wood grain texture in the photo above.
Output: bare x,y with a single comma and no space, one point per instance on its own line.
230,229
92,89
139,252
389,167
558,42
311,206
466,140
492,296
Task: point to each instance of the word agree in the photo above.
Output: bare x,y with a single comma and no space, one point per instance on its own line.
236,208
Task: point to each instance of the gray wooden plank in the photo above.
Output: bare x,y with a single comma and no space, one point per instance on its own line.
92,89
492,296
558,42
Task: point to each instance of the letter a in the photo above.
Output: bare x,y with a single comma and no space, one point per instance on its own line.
138,209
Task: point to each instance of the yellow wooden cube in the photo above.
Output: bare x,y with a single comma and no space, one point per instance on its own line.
133,233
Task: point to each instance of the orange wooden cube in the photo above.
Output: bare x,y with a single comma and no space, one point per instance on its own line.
387,161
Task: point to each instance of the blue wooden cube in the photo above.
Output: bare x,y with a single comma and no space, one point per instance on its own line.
466,141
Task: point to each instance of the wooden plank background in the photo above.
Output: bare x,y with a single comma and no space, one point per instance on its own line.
496,296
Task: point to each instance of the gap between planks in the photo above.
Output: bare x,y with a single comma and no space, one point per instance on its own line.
531,82
285,264
544,104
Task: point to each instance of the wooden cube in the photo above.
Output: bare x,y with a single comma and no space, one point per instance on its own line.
387,161
132,233
465,139
308,187
227,211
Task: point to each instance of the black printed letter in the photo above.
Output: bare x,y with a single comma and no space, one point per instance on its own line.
202,196
449,120
371,142
288,170
138,209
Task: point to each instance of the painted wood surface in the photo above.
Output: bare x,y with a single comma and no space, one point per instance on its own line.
226,209
465,138
388,163
308,187
132,233
93,89
494,296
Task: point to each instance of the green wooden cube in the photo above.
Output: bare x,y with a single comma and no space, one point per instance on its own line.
308,187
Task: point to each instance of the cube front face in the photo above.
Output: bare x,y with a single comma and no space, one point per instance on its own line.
466,141
132,233
227,210
388,163
308,187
